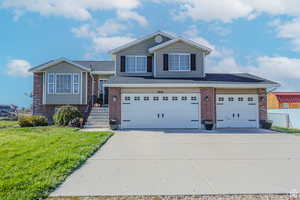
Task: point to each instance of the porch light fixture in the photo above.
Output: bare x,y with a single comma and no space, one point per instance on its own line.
114,98
206,98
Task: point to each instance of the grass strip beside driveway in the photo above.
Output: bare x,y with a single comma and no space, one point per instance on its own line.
286,130
34,161
5,123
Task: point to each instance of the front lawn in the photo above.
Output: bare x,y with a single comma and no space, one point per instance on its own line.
286,130
34,161
5,123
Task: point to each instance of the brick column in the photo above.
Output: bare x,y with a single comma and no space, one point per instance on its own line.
208,104
262,99
114,106
37,94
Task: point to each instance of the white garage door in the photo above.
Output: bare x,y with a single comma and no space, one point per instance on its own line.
237,111
160,110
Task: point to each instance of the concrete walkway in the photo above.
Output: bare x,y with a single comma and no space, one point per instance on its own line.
162,163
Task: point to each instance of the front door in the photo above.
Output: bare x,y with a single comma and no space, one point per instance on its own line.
103,92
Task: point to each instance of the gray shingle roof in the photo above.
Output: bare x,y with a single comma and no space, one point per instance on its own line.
97,65
210,78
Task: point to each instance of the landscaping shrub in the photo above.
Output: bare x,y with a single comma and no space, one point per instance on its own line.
39,120
75,123
34,120
25,121
65,114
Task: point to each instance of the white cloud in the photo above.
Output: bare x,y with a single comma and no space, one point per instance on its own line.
128,14
289,30
282,69
192,33
103,38
75,9
18,68
229,10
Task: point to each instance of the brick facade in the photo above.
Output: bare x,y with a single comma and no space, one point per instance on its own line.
37,93
114,106
263,101
208,106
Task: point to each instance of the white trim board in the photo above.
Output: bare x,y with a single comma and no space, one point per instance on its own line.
116,50
54,62
190,42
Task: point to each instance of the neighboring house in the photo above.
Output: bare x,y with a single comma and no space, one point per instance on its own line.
284,100
158,81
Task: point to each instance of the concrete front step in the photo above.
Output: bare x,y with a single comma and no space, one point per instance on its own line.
98,123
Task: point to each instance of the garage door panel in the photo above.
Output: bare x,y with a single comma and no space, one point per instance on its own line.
237,111
160,111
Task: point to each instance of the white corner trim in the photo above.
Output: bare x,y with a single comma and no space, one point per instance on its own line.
81,86
86,87
192,43
172,85
44,87
114,51
54,62
154,64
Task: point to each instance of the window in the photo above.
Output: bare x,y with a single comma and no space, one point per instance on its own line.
165,98
51,83
285,105
155,98
63,83
221,99
136,98
174,98
250,99
179,62
136,64
230,99
146,98
183,98
127,98
240,99
76,83
194,98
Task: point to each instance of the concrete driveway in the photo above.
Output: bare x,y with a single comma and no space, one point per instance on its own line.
170,163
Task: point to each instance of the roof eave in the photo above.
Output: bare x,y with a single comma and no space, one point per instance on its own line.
40,68
118,49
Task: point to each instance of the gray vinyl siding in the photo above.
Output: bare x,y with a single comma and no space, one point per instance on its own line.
66,98
179,47
138,49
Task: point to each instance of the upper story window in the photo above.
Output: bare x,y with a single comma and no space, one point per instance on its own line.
136,64
63,83
179,62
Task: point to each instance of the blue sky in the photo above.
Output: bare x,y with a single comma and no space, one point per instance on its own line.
256,36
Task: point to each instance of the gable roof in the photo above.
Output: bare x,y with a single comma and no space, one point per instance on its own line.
190,42
113,51
54,62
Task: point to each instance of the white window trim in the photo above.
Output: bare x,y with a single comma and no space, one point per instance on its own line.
181,54
54,83
73,83
135,66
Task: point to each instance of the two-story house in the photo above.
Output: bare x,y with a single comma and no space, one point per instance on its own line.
158,81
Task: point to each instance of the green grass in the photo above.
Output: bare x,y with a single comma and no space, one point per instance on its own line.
4,123
286,130
34,161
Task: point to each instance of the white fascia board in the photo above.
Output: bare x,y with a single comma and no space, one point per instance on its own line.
194,85
192,43
113,51
38,69
103,72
